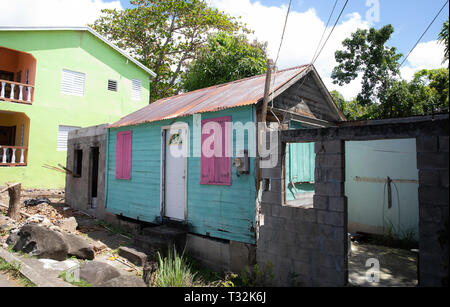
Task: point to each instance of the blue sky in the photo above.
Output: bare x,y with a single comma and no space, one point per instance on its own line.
409,17
306,24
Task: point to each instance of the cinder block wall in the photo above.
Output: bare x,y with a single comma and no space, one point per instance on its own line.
432,163
77,190
306,246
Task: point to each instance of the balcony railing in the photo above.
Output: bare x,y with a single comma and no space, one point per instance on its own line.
13,155
16,92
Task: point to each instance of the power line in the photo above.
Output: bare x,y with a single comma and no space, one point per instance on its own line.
434,19
329,35
324,30
284,30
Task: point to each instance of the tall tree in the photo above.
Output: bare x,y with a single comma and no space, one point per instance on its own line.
366,53
226,57
164,35
443,38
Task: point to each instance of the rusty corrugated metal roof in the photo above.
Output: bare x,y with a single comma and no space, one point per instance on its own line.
229,95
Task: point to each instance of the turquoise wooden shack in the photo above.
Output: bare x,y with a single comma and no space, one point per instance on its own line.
159,167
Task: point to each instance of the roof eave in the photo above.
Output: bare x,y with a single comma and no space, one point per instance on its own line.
90,30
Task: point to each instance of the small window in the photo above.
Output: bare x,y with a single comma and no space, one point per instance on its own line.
63,135
136,89
72,83
78,162
112,85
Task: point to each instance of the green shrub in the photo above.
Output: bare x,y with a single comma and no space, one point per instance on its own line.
174,271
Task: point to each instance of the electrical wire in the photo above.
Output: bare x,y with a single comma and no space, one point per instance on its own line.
426,30
324,31
329,35
276,61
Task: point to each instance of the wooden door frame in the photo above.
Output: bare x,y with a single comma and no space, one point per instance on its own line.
162,193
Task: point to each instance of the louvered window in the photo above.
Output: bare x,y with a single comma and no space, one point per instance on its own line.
72,83
215,163
136,89
112,85
63,135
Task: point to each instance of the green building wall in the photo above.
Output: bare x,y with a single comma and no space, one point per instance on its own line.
78,51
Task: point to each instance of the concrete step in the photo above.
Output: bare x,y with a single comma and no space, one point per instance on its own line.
161,238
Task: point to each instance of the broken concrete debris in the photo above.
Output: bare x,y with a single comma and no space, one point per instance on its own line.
41,242
68,224
132,255
124,281
96,272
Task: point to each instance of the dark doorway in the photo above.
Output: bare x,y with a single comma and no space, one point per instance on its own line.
94,175
7,135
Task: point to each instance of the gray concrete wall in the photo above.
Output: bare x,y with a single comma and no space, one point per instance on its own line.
432,162
308,246
78,192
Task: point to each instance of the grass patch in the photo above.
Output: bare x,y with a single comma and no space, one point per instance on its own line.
13,269
174,271
70,278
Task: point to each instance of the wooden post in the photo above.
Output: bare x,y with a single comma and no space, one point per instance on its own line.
266,91
14,201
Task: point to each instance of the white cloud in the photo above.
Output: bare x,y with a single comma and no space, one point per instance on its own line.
427,55
53,12
303,32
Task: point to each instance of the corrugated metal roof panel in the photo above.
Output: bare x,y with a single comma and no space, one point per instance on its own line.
229,95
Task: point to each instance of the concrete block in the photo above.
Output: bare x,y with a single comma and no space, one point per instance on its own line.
132,255
213,254
329,189
330,218
429,177
433,195
427,144
443,143
330,160
271,197
433,160
338,204
241,255
320,202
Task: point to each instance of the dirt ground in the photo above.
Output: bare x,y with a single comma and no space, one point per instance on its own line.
398,267
107,240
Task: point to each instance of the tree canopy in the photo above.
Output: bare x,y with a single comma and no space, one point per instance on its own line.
443,38
384,93
164,35
225,57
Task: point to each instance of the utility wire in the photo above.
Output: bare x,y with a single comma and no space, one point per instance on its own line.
324,30
434,19
284,30
329,35
278,55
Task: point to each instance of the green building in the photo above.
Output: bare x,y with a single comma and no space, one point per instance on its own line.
53,80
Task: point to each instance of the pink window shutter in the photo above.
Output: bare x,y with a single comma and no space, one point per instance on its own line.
216,170
123,155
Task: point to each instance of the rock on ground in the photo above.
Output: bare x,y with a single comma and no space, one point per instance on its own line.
96,272
79,247
124,281
68,224
41,242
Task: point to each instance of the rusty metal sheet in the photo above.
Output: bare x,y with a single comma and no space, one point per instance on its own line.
229,95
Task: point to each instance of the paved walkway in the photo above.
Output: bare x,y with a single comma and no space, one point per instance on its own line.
4,282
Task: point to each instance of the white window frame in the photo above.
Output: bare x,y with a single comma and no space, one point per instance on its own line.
136,89
63,136
72,82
